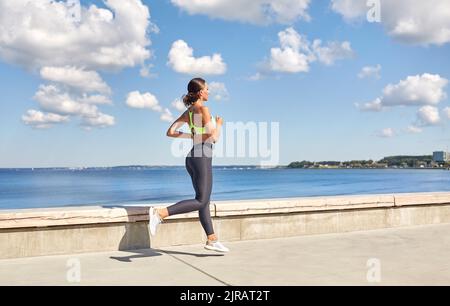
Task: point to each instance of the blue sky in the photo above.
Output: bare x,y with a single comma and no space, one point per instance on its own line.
313,100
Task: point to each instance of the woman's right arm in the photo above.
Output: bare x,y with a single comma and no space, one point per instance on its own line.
172,131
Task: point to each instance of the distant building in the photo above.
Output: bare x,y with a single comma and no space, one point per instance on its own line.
441,156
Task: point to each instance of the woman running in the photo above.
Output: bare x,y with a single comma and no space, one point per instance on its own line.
205,131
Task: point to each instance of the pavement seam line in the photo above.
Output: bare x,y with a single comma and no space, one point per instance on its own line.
198,269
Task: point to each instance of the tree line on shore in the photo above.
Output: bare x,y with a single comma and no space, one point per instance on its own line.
400,161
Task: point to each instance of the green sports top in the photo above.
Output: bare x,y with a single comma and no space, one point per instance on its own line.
197,129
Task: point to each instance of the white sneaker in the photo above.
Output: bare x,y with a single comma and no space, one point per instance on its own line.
216,246
153,220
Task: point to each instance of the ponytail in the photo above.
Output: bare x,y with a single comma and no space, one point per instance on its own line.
190,98
194,87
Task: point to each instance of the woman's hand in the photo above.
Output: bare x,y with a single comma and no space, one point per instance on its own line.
219,120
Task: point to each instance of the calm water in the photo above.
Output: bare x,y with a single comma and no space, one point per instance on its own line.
25,188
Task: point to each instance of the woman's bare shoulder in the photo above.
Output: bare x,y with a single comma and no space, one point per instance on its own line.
204,110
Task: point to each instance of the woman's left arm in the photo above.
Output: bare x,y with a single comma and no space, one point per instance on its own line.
172,131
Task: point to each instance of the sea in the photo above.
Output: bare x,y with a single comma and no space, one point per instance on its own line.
134,185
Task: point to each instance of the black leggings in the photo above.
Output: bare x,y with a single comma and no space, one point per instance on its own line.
199,166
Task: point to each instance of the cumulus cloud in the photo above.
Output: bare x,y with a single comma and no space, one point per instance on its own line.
251,11
182,60
44,33
178,105
296,53
68,42
167,116
374,106
137,100
64,100
370,72
350,9
146,72
100,120
51,98
68,96
409,21
218,91
332,52
87,81
428,115
148,101
416,90
42,120
95,99
386,133
425,89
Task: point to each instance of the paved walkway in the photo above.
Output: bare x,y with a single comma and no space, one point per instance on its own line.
403,256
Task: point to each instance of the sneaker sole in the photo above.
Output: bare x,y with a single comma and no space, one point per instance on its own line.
214,249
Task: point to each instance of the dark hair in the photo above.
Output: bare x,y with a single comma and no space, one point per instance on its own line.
194,87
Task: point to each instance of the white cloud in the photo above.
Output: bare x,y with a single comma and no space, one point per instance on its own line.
290,38
296,52
182,60
447,112
137,100
53,99
410,21
145,71
350,9
100,120
412,129
294,55
95,99
42,33
167,116
87,81
68,42
148,101
332,52
41,120
386,133
218,91
251,11
178,105
370,72
288,60
66,99
374,106
428,115
425,89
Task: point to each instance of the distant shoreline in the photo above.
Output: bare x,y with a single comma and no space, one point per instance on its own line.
362,168
231,167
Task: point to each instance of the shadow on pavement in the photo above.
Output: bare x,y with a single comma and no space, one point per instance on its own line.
138,254
191,254
157,252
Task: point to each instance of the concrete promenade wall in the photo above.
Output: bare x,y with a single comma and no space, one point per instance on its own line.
36,232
